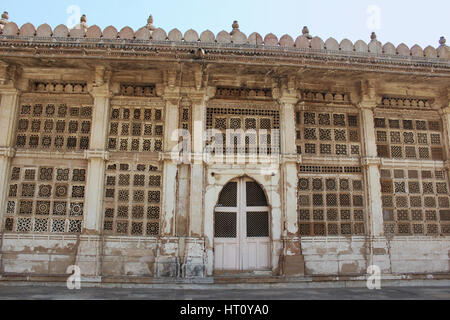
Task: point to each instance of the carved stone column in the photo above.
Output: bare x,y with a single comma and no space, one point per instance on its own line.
89,255
167,260
293,261
8,118
377,251
170,167
200,225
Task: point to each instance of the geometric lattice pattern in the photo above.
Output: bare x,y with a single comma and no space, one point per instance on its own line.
251,123
415,202
257,224
136,129
54,127
46,199
328,134
331,205
255,195
133,197
409,139
225,225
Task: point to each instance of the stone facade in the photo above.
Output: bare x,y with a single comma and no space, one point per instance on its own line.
359,149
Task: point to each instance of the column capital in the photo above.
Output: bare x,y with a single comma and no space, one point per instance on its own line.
7,152
201,96
289,99
173,97
367,104
96,154
101,91
8,89
370,161
291,158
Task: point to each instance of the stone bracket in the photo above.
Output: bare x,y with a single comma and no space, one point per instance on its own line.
7,152
96,154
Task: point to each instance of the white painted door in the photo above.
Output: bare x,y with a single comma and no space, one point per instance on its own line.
242,220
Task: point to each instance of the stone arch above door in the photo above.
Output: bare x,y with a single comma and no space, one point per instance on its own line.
242,228
217,179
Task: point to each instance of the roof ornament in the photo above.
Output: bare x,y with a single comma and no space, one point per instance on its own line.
235,27
83,24
4,20
442,42
305,32
373,36
150,25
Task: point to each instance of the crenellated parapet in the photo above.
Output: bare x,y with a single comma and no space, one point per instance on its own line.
151,35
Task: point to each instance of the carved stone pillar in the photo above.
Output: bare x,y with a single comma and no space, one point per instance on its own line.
90,244
371,162
377,251
199,224
170,167
293,261
167,260
8,118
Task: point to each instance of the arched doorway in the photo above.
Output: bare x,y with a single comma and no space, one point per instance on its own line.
242,228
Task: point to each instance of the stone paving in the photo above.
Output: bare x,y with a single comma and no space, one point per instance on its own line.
62,293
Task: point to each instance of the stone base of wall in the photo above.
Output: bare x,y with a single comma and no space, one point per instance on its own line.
185,258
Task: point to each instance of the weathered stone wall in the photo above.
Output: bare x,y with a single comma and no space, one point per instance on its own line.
38,254
335,256
128,257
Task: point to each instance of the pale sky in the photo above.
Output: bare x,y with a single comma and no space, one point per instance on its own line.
408,21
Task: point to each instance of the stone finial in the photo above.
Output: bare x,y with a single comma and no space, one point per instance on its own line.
305,32
235,27
150,25
442,41
4,20
373,36
82,25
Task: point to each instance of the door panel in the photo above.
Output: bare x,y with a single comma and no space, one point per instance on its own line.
242,228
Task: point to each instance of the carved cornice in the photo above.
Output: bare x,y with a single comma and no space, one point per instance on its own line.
220,103
120,101
243,93
138,90
325,97
81,99
57,87
405,102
